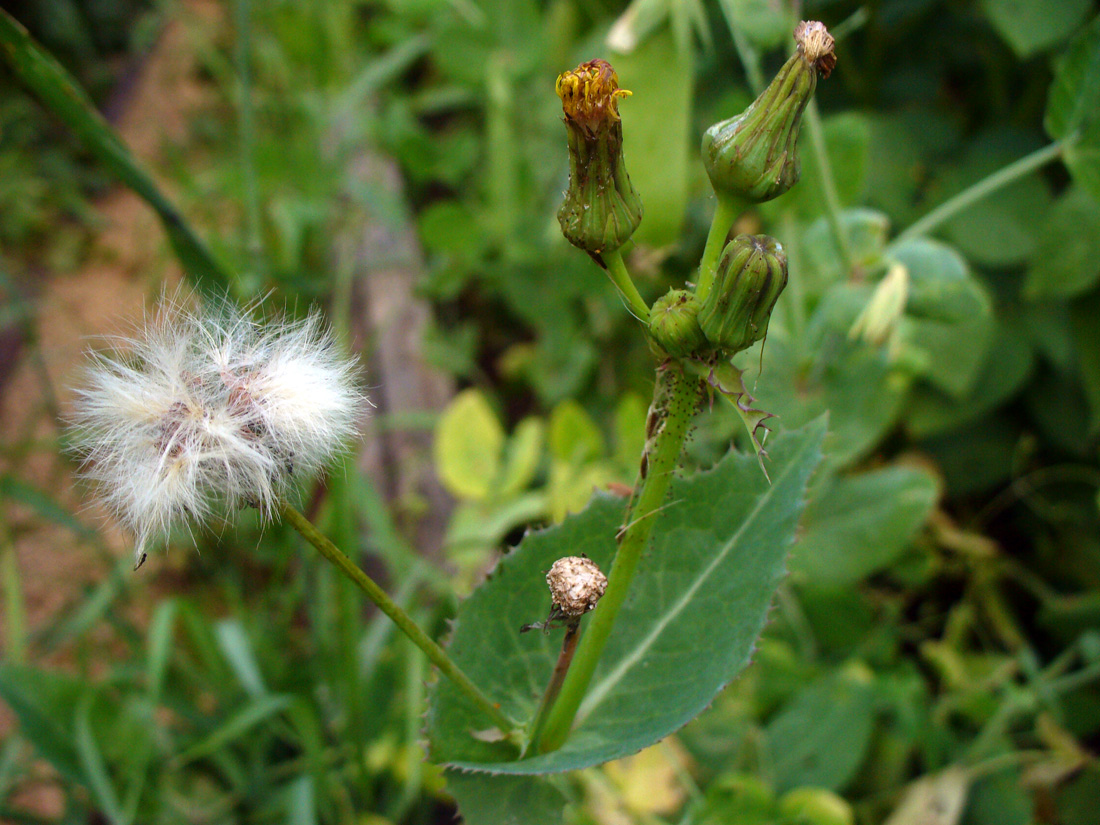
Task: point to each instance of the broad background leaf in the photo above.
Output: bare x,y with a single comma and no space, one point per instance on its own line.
1074,104
1029,26
485,799
688,628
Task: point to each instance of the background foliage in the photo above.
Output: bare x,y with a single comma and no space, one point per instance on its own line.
935,645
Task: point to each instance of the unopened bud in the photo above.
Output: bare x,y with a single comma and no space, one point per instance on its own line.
674,324
755,155
751,274
576,584
601,210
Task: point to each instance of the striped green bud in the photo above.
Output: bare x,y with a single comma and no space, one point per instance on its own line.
755,155
601,209
674,324
750,276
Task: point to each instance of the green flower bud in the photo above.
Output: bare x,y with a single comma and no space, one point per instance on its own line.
601,209
674,324
755,155
751,274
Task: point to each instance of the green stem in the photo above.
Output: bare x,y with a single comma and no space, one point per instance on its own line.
247,136
388,606
725,213
828,185
557,678
616,270
675,397
983,188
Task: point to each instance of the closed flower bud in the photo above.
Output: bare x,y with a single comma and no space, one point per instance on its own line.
601,209
755,155
674,324
751,274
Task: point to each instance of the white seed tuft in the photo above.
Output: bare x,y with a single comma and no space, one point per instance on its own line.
204,408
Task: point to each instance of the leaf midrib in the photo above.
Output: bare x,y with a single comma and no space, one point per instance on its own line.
602,688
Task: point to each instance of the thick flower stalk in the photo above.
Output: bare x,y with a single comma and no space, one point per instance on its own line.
204,410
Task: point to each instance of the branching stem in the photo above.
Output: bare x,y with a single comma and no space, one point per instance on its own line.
725,213
675,398
616,270
983,189
388,606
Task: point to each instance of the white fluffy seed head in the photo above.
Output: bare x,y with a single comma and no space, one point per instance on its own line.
204,409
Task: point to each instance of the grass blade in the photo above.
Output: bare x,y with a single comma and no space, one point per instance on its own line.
60,93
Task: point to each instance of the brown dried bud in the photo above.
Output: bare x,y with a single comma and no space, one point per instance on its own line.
816,45
576,584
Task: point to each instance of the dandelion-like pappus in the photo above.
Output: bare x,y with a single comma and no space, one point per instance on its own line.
204,408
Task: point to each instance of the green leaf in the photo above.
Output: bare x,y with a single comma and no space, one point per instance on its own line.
699,602
821,738
1067,259
1008,364
68,102
1001,230
1030,26
484,799
861,524
847,141
468,441
657,136
237,725
574,436
867,231
940,285
1073,102
41,700
95,768
763,23
825,371
1073,107
521,457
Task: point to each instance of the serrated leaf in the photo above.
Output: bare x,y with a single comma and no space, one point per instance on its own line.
729,381
1029,26
1067,259
861,524
484,799
698,604
468,441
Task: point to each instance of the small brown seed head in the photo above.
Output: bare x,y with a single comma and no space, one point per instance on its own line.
576,584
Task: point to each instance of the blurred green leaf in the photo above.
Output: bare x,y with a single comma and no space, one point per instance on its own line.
821,737
1029,26
941,287
237,725
574,437
688,628
763,23
68,102
1000,230
847,140
521,457
484,799
1073,107
237,649
41,700
95,769
468,442
859,525
1067,259
657,141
